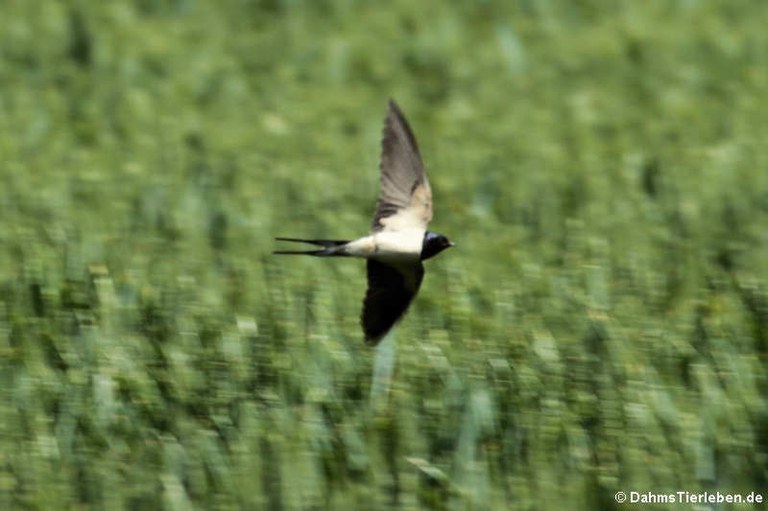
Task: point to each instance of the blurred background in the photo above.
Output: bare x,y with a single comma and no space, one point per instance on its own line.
601,326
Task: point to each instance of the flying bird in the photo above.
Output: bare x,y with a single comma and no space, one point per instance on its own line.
399,240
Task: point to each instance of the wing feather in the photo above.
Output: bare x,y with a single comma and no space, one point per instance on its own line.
405,198
390,292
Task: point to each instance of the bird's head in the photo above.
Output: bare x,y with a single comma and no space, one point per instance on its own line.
433,244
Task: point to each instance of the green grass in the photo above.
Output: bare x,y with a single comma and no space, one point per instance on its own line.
601,326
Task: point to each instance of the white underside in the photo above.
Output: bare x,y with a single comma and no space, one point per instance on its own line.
389,246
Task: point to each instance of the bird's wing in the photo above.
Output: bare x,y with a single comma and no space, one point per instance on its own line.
405,199
390,291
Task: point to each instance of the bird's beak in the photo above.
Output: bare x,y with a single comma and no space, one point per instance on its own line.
451,244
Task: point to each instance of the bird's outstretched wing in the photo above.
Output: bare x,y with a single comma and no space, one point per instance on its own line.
390,291
405,199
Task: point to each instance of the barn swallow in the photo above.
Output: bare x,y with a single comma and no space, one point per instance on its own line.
399,240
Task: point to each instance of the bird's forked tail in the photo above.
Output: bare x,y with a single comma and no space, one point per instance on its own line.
330,247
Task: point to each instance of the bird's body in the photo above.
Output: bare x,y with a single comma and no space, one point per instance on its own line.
399,239
389,246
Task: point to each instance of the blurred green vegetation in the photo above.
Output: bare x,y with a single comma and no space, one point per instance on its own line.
602,324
